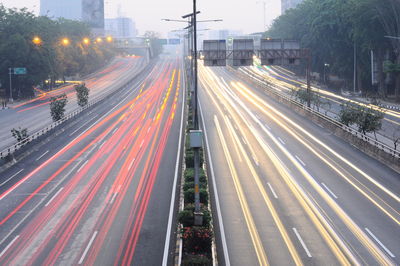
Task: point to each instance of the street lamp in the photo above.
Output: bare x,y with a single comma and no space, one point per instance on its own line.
86,41
109,39
99,40
65,41
36,40
325,66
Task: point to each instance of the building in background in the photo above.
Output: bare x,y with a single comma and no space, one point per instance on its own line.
222,34
121,27
287,4
69,9
89,11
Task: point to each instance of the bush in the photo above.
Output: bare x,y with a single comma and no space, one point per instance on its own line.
57,107
189,196
186,217
197,239
189,185
189,175
196,260
20,133
82,93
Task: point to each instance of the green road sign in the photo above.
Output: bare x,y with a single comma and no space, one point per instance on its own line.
19,71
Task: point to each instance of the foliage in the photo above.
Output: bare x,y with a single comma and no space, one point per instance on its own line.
366,119
331,29
186,217
197,239
82,93
57,107
189,196
391,67
196,260
20,133
189,175
47,59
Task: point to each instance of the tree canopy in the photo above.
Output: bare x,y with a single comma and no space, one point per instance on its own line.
332,28
36,43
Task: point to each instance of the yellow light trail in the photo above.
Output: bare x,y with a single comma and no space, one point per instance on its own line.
364,239
311,211
255,237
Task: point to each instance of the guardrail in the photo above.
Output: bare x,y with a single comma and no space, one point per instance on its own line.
10,150
267,85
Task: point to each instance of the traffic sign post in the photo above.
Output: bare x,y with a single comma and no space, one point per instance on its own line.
15,71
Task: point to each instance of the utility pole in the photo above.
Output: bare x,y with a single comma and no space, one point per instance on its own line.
355,69
10,73
264,14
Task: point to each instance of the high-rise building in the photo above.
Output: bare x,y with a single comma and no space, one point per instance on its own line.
90,11
69,9
287,4
121,27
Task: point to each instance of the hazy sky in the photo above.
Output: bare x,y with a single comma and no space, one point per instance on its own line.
245,15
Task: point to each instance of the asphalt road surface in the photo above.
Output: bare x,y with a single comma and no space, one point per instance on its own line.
101,192
286,191
35,114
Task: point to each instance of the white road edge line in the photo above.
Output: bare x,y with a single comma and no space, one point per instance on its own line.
298,158
171,206
8,246
217,204
52,198
330,191
380,243
272,190
11,177
41,156
88,247
80,168
302,242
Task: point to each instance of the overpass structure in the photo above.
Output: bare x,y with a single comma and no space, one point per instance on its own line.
137,46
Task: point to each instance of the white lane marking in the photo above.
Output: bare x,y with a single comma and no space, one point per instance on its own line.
281,140
114,131
88,247
272,190
80,168
131,164
244,141
255,160
52,198
8,246
11,177
104,142
267,126
380,243
298,158
172,204
258,117
141,144
330,191
113,197
217,203
302,242
41,156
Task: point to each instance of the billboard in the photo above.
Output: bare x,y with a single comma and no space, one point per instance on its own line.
93,13
243,51
214,52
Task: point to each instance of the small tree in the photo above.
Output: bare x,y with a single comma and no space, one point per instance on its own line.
369,120
82,93
20,134
57,107
396,137
348,114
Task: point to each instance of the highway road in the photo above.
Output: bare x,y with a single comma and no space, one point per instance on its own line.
285,81
35,114
102,191
288,192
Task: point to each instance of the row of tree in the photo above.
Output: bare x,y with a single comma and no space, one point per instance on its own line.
333,28
49,49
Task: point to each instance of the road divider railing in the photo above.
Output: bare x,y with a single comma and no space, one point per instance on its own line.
266,85
13,148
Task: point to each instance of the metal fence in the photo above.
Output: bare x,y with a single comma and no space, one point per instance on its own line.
267,85
10,150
